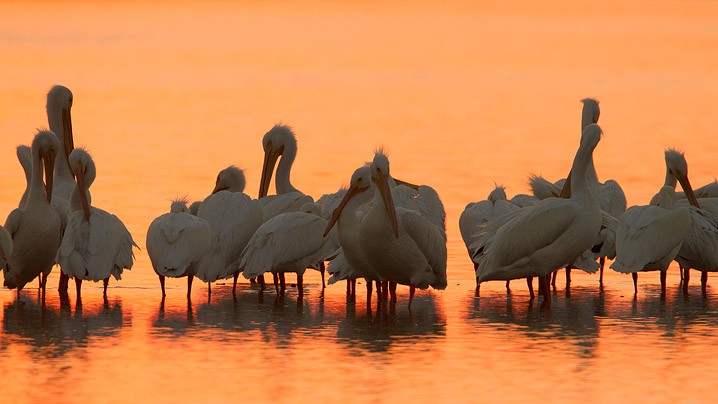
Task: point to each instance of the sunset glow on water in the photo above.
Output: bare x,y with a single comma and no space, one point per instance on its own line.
462,96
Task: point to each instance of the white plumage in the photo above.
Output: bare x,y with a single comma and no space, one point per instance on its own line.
37,227
24,156
96,244
550,234
176,241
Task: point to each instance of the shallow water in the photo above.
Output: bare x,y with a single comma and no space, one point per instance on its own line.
167,94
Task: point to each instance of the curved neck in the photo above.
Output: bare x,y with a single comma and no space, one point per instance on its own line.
36,188
62,168
579,171
282,181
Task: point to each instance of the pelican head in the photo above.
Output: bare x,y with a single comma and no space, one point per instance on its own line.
380,177
498,194
677,169
179,205
194,207
280,140
83,168
360,183
46,145
312,208
5,246
230,179
590,112
59,101
666,197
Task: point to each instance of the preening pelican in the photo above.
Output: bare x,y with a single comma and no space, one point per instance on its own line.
280,141
649,237
24,156
288,242
176,241
550,234
401,245
352,262
96,244
35,229
233,218
476,213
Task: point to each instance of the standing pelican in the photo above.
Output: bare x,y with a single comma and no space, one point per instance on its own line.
280,141
550,234
288,242
24,156
401,245
176,241
5,247
649,237
96,244
233,217
353,263
35,229
58,106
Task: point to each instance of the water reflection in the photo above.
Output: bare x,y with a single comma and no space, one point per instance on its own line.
572,316
389,324
53,328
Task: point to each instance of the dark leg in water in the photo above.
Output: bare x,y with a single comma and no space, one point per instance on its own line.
530,284
635,282
704,281
190,278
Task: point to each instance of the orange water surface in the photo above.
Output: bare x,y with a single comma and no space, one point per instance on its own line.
462,95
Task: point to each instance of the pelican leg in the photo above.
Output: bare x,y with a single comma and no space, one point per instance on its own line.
686,276
508,290
262,284
476,270
602,262
276,282
412,290
368,291
300,284
43,282
209,289
392,291
663,283
64,281
354,287
282,283
553,278
704,281
349,287
635,282
234,284
568,275
105,282
78,287
530,284
162,285
680,268
322,270
190,278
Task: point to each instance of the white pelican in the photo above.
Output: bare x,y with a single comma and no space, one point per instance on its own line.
550,234
176,241
476,213
233,218
288,242
96,244
24,156
58,106
700,246
35,229
352,262
5,247
280,141
649,237
401,245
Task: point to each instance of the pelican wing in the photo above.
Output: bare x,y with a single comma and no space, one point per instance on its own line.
274,205
649,237
610,198
431,207
289,241
340,269
13,222
175,241
700,245
542,188
431,241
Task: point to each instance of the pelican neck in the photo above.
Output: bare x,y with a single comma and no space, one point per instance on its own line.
62,168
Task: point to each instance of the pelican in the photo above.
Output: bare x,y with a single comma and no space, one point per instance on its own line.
550,234
58,106
649,237
5,247
352,262
36,228
401,245
280,141
288,242
176,241
24,156
700,246
233,217
476,213
96,244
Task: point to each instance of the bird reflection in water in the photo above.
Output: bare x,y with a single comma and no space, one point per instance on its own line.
51,328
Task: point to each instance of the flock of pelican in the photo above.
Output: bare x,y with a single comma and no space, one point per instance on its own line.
381,229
